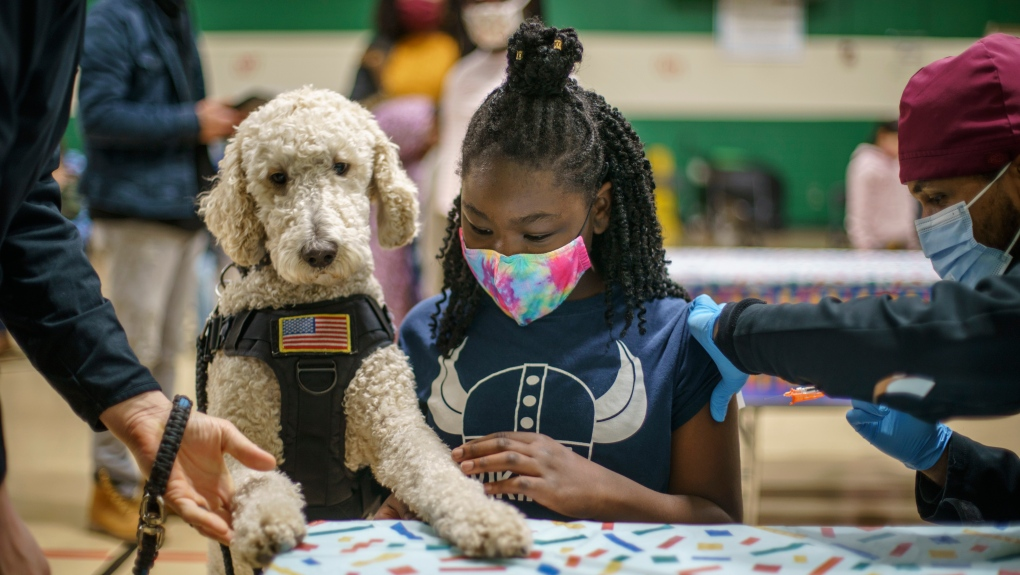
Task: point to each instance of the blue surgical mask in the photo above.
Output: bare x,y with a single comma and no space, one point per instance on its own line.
947,239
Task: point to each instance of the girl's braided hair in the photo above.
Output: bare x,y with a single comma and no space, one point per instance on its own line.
541,118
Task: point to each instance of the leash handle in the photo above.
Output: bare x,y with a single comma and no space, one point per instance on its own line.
152,513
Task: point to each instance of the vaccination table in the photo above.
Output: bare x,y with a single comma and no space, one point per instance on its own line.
410,547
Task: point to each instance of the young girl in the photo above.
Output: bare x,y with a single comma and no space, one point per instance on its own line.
531,363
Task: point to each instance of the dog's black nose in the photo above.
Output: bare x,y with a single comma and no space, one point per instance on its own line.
320,256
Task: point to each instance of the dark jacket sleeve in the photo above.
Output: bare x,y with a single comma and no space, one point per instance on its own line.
109,61
51,303
966,340
982,484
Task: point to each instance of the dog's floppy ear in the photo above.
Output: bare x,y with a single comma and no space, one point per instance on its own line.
229,211
394,191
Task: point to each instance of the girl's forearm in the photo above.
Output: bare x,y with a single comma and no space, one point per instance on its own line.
617,498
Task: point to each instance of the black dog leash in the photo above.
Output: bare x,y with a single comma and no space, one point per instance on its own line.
153,511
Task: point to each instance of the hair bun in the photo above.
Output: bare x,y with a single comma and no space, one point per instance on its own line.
541,58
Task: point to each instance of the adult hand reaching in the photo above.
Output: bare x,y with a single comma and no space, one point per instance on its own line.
200,488
704,313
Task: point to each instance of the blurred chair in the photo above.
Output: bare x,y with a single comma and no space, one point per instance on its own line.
743,202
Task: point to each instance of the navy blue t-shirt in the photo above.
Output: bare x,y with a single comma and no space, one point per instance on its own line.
613,401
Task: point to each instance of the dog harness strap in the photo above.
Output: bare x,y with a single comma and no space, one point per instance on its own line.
315,350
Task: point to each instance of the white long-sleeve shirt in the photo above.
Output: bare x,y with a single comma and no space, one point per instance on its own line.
880,211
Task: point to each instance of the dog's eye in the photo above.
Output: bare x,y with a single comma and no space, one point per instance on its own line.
278,178
341,168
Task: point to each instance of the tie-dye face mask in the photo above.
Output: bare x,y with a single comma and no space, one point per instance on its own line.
528,286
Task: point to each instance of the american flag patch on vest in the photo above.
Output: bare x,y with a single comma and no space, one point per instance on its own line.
321,333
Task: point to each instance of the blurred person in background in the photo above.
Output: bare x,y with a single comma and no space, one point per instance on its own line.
489,24
410,121
416,44
145,122
879,210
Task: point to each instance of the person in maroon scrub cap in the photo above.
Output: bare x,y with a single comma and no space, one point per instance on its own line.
958,354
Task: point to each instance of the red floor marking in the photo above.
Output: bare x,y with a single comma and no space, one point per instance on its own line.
824,567
405,570
767,568
535,555
828,532
672,541
597,552
77,554
573,561
166,556
455,558
607,526
306,547
750,541
979,548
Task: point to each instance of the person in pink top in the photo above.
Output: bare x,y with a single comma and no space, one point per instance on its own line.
880,211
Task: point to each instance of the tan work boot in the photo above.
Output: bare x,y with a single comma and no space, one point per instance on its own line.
111,512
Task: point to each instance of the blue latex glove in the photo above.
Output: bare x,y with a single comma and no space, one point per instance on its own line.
703,315
918,444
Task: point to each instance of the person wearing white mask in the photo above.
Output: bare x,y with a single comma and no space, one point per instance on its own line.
959,149
489,25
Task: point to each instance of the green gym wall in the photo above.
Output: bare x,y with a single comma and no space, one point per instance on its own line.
659,63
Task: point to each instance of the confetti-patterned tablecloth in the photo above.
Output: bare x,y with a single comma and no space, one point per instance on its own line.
410,548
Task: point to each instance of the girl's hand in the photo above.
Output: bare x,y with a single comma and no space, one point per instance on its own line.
394,508
546,471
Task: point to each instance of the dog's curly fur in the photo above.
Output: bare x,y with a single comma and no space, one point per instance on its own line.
304,134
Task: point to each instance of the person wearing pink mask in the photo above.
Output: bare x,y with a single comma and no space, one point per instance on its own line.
489,24
416,44
558,364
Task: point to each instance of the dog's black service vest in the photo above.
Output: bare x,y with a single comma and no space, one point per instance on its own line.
314,350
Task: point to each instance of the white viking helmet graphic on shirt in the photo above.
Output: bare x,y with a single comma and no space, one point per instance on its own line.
618,413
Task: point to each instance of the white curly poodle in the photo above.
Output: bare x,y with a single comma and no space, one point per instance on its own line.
295,185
